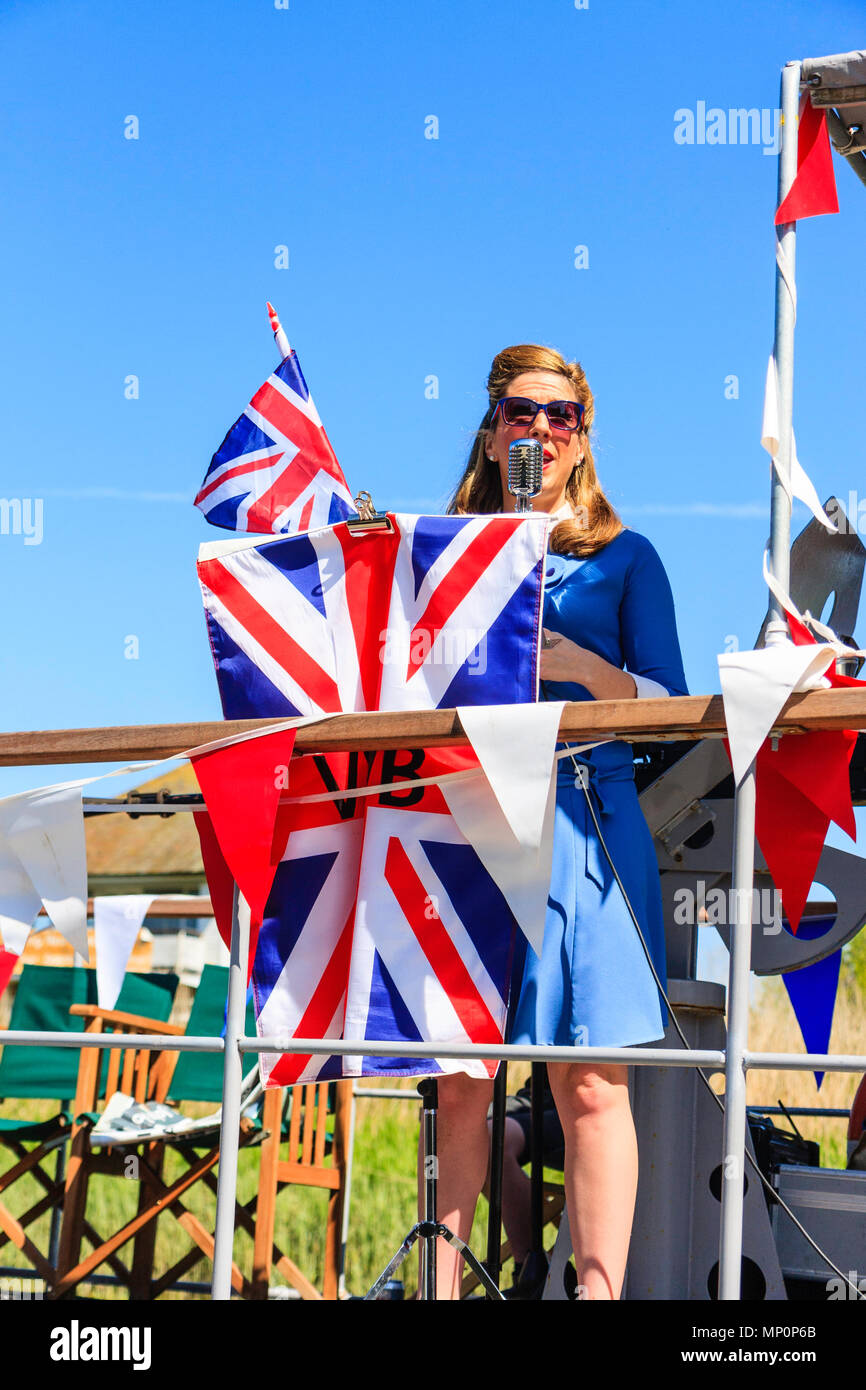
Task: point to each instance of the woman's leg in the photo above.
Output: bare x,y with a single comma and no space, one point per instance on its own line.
462,1142
600,1170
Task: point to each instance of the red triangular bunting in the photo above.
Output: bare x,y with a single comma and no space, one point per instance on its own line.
800,788
8,961
219,878
791,832
241,784
817,765
813,191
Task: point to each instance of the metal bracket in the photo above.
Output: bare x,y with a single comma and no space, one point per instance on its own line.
687,822
368,519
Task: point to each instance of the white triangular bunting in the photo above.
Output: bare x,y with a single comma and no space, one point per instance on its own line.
44,829
799,484
116,922
19,902
755,687
515,745
507,813
521,873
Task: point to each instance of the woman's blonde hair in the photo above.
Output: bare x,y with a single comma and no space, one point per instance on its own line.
480,488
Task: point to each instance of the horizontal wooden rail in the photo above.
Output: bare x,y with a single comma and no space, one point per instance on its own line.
166,907
688,717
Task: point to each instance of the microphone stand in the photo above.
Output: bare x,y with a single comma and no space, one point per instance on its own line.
430,1228
524,483
497,1152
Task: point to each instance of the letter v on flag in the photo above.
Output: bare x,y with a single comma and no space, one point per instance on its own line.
241,785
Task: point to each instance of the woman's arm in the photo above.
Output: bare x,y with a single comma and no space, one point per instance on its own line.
648,624
648,635
565,661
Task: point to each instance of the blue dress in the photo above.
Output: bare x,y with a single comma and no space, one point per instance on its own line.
591,984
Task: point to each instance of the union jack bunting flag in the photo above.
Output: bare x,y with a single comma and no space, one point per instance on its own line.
382,922
437,612
275,470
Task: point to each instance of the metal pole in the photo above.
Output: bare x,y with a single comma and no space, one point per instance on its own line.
536,1156
347,1192
429,1090
783,351
230,1118
57,1209
497,1150
734,1130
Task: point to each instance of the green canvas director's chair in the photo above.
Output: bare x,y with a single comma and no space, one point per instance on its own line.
43,999
312,1122
167,1077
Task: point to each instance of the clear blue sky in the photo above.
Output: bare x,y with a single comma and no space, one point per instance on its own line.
408,257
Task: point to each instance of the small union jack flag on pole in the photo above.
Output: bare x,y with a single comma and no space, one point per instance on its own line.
275,471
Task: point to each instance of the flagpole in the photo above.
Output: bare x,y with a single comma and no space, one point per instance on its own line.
230,1119
734,1125
783,352
736,1044
278,332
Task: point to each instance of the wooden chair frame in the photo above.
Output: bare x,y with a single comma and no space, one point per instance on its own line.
50,1137
14,1228
144,1076
307,1143
147,1076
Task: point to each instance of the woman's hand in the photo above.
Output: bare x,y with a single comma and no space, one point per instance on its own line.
563,660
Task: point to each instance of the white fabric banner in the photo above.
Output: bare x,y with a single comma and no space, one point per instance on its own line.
44,831
19,902
755,687
507,815
799,483
117,921
515,745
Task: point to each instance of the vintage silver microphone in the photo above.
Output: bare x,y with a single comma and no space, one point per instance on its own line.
525,464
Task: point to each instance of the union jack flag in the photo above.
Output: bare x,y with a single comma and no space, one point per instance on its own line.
382,922
275,470
437,612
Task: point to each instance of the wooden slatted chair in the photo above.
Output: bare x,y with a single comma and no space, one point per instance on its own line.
163,1076
42,1003
317,1156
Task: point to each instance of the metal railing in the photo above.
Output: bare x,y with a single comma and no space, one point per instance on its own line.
683,718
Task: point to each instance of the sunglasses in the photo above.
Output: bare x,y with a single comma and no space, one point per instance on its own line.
519,410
